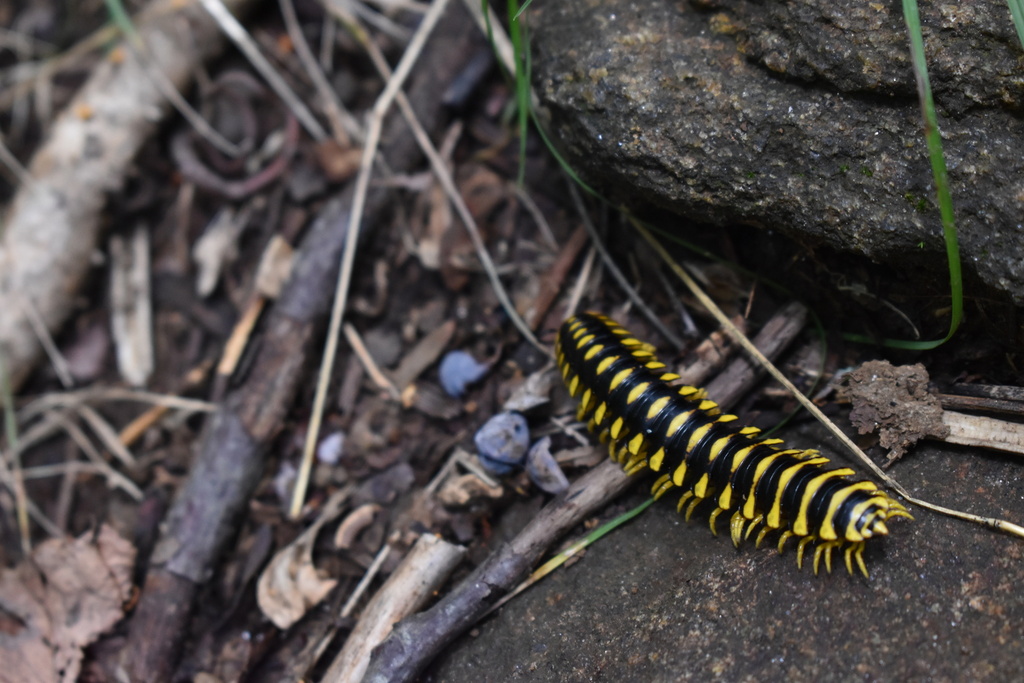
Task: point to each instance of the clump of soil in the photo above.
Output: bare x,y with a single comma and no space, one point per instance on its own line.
895,402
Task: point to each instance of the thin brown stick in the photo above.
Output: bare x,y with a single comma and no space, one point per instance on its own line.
773,338
551,282
344,126
54,223
709,357
983,403
114,478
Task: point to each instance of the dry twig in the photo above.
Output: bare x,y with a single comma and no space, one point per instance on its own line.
54,222
423,571
237,33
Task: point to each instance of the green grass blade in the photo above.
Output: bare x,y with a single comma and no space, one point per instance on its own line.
1017,12
606,528
933,139
119,15
523,8
520,43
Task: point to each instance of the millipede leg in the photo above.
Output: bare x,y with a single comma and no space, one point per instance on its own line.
828,554
714,516
859,554
682,501
824,549
754,523
635,466
897,510
614,452
693,506
736,524
783,538
800,551
587,403
661,486
636,462
761,534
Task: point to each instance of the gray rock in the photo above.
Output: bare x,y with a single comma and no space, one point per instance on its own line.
797,117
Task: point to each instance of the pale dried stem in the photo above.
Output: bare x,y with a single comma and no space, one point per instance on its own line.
423,571
809,405
343,125
380,108
370,365
240,37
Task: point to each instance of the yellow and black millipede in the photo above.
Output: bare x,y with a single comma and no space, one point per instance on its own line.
677,432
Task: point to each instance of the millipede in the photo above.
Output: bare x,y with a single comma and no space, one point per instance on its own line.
625,394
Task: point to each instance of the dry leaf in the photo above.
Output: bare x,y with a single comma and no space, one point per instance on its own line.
291,584
534,391
467,489
60,602
217,247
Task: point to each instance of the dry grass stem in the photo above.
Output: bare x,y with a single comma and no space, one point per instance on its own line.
240,37
370,365
617,274
809,405
370,148
344,126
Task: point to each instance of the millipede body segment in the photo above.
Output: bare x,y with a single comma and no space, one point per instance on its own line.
681,435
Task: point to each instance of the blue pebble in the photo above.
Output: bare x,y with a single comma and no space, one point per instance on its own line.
502,442
544,470
458,370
